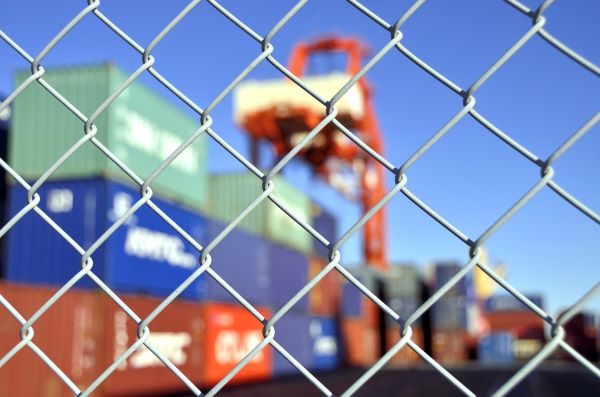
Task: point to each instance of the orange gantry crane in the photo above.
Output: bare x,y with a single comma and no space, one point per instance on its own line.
282,113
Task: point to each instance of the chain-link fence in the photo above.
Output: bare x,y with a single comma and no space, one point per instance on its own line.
267,53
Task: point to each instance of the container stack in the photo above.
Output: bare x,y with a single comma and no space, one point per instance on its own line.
450,315
403,292
505,313
308,331
360,339
496,348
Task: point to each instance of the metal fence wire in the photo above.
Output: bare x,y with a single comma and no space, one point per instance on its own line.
267,53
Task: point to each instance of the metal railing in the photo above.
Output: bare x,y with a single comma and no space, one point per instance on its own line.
266,53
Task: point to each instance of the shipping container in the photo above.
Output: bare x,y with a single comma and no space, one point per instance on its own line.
178,333
139,127
292,332
230,333
242,260
325,343
580,333
326,224
324,297
351,301
84,332
406,355
450,314
144,255
443,272
288,271
404,307
360,342
403,280
449,347
496,347
232,193
508,303
67,333
525,322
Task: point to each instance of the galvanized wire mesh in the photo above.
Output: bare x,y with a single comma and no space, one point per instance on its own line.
266,53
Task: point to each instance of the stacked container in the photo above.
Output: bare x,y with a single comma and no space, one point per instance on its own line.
506,313
496,348
233,193
403,291
360,339
450,315
144,255
139,127
84,332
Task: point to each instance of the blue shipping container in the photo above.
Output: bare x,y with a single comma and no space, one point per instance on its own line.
496,347
144,255
450,314
242,260
292,333
508,303
325,343
325,223
404,307
444,271
288,271
351,300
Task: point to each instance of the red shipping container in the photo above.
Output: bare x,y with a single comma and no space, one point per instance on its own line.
406,355
515,322
360,341
449,347
84,332
324,297
66,333
177,333
231,332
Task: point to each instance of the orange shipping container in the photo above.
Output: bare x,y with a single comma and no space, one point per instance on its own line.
231,333
324,297
406,355
66,333
360,341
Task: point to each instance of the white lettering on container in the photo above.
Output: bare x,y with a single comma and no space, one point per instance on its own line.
171,345
140,133
60,200
232,346
158,246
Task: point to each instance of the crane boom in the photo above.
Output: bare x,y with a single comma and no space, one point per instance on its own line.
285,120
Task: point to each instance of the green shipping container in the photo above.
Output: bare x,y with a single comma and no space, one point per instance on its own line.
232,193
139,127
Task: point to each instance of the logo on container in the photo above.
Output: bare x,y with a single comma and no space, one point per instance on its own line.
232,346
324,345
140,133
150,244
171,345
60,200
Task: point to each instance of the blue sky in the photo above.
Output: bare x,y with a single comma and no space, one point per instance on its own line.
539,97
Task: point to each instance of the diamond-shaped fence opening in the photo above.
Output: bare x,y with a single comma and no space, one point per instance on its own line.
267,53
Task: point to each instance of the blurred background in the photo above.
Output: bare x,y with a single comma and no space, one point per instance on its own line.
548,250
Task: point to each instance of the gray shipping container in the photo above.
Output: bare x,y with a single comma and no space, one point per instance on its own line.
403,280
